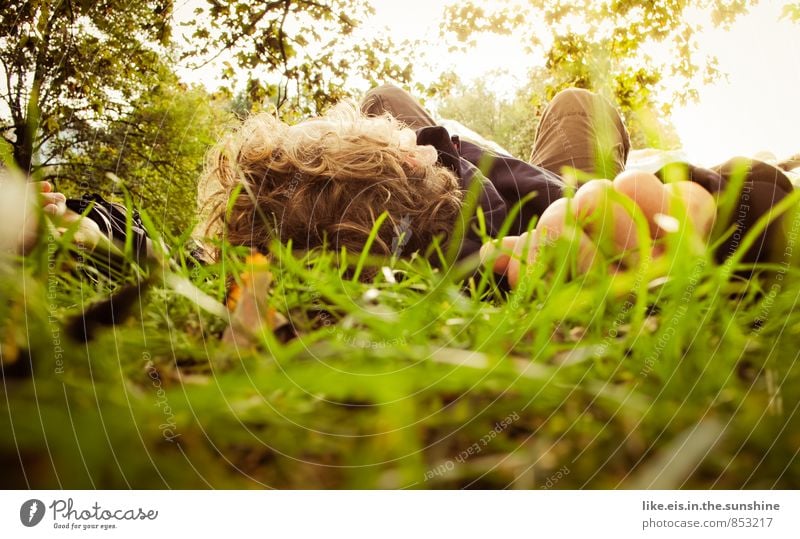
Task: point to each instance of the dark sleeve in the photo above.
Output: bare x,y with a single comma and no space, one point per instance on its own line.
515,179
492,204
112,220
764,186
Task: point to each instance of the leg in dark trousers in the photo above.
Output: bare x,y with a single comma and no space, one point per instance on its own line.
581,130
764,186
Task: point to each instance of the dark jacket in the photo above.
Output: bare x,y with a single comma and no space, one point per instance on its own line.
506,181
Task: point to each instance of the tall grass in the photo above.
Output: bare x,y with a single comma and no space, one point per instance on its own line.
678,373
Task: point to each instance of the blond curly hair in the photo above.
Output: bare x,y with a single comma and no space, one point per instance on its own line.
325,181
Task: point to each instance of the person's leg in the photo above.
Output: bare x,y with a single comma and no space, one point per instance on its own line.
581,130
763,187
398,103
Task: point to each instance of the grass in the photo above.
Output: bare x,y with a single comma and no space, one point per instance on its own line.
419,378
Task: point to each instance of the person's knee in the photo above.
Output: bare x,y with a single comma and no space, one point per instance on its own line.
398,103
575,99
378,100
578,101
601,113
580,94
387,89
755,171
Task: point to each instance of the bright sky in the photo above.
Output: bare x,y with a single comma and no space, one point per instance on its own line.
756,109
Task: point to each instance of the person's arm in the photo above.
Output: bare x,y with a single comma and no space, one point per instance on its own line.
100,229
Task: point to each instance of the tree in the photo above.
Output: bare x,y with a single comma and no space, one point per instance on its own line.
791,11
68,65
156,151
607,46
89,98
308,52
511,123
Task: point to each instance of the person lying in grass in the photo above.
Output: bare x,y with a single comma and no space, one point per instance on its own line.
327,180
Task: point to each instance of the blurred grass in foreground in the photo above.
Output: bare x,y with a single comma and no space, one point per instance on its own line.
417,379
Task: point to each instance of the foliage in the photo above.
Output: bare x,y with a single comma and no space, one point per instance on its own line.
510,123
608,47
156,151
791,11
90,88
69,64
310,53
